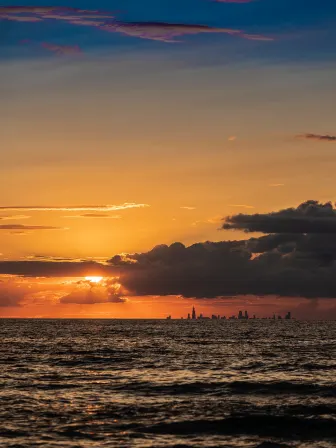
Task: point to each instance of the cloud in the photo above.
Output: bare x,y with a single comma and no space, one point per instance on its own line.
52,12
293,260
10,293
256,37
241,205
17,291
13,217
94,215
212,270
61,50
318,137
107,291
162,31
276,185
188,208
21,18
159,31
53,268
34,9
212,220
308,217
21,227
76,208
14,290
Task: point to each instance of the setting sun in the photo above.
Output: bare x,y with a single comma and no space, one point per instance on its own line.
94,279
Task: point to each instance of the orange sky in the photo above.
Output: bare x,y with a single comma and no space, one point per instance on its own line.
152,132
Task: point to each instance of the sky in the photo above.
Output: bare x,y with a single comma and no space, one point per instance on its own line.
182,150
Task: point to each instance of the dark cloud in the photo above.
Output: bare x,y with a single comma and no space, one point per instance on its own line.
53,268
318,137
284,243
286,263
207,270
309,217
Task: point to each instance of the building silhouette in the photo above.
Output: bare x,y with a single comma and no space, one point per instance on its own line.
242,315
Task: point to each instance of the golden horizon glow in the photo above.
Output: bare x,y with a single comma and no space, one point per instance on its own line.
94,279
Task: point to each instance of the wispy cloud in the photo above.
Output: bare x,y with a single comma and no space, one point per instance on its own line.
213,220
162,31
94,216
21,227
256,37
186,207
61,49
276,185
13,217
159,31
319,137
241,205
76,208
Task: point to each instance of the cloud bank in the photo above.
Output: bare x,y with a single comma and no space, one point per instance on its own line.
296,258
309,217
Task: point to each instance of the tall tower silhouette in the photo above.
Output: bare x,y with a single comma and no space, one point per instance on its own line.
193,316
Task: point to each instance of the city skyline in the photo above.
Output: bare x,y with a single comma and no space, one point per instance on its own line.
239,316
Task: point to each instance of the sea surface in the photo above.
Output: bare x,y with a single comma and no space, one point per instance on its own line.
157,383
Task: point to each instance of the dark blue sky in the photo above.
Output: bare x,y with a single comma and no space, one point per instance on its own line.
302,29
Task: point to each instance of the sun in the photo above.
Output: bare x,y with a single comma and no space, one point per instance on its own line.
94,279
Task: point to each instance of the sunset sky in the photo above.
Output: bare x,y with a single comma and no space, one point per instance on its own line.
134,124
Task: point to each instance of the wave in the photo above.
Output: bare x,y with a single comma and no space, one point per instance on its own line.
282,387
286,427
235,387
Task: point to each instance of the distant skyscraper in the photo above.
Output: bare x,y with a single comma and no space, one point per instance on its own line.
193,313
240,315
246,315
188,316
288,315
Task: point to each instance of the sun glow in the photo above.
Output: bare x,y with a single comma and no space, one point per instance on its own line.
94,279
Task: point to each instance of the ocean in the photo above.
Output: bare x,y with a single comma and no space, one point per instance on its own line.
167,383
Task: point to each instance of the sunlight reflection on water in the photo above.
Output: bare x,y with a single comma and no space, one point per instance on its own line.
167,383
